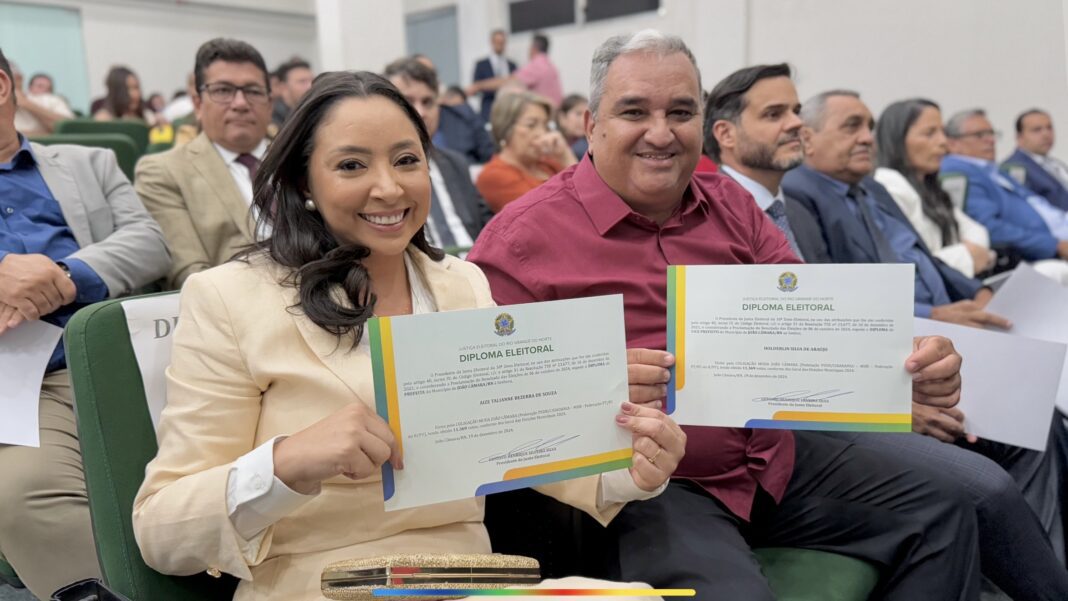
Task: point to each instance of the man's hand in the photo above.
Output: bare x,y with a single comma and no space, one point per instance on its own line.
936,383
9,318
647,373
982,298
34,285
1062,249
969,313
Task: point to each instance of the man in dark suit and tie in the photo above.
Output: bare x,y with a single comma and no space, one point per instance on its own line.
753,130
491,72
1031,163
457,211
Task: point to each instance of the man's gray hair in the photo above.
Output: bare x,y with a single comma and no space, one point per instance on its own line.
814,109
646,40
955,125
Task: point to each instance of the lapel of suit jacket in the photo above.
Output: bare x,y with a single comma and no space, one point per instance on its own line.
1035,170
459,201
852,227
61,184
451,291
210,166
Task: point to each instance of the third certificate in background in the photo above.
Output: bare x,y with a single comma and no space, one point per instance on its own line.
807,347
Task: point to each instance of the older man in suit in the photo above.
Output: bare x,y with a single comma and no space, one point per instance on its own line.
201,193
72,232
457,211
491,72
1031,163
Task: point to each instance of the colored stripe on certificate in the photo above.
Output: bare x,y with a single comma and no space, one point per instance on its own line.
384,373
531,592
838,422
536,475
676,330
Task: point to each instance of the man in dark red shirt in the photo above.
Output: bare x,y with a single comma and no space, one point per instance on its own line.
612,224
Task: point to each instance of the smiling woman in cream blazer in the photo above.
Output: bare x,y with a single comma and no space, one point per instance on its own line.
269,448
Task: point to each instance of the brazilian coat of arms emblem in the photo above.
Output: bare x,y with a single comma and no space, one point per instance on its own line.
504,325
788,281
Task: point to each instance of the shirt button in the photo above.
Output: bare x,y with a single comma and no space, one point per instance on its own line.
258,483
9,210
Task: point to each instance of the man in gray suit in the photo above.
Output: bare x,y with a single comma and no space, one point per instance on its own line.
72,232
457,211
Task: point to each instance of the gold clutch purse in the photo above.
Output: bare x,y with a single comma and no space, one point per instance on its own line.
357,579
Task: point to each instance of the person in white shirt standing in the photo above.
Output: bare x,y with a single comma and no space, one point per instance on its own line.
201,193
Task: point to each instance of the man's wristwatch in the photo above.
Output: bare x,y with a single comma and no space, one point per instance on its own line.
64,267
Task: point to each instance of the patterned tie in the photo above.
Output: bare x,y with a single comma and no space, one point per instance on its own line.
441,225
777,212
251,163
883,250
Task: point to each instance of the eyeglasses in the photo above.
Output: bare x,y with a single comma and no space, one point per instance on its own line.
224,93
986,134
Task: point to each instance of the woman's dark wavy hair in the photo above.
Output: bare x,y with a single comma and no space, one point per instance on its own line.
890,134
333,285
118,101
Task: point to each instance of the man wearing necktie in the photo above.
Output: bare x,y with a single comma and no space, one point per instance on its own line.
753,129
201,192
491,72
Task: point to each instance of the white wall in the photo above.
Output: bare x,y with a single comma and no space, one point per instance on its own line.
158,39
1003,56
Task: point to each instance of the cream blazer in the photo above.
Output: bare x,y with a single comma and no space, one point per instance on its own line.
246,368
908,199
190,192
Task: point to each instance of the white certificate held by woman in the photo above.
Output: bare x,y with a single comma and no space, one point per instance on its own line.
500,398
806,347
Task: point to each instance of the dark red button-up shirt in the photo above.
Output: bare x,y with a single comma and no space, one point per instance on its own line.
574,237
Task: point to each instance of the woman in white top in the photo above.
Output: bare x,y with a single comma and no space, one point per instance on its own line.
910,145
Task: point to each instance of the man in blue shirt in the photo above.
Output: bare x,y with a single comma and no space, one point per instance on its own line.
72,232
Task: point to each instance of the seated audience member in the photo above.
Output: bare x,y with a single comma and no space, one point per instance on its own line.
38,108
454,95
528,151
613,225
270,377
72,233
156,103
540,75
752,127
462,130
294,80
910,145
124,99
1042,173
569,121
200,193
1012,214
457,211
859,221
491,72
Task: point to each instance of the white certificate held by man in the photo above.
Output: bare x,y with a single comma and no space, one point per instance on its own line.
804,347
495,399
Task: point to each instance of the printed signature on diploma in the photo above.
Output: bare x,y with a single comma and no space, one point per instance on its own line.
534,447
804,395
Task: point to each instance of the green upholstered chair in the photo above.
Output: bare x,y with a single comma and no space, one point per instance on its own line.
808,575
158,147
8,575
137,130
118,440
125,150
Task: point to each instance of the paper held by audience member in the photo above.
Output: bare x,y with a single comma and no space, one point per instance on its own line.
151,322
805,347
24,355
496,399
1008,383
1038,308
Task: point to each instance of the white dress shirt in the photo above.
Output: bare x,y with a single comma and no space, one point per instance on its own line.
1053,166
763,197
25,121
452,219
256,498
499,62
908,200
239,172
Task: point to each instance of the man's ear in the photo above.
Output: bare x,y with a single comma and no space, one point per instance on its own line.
806,139
197,102
7,88
725,134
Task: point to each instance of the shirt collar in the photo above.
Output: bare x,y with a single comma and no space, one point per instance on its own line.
763,197
230,156
606,209
839,186
974,161
24,157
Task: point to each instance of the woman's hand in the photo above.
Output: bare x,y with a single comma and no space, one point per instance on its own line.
658,443
353,442
982,257
552,144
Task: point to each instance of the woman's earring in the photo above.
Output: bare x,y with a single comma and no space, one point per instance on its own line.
309,204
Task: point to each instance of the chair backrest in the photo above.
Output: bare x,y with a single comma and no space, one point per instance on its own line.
956,186
125,150
137,130
118,440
